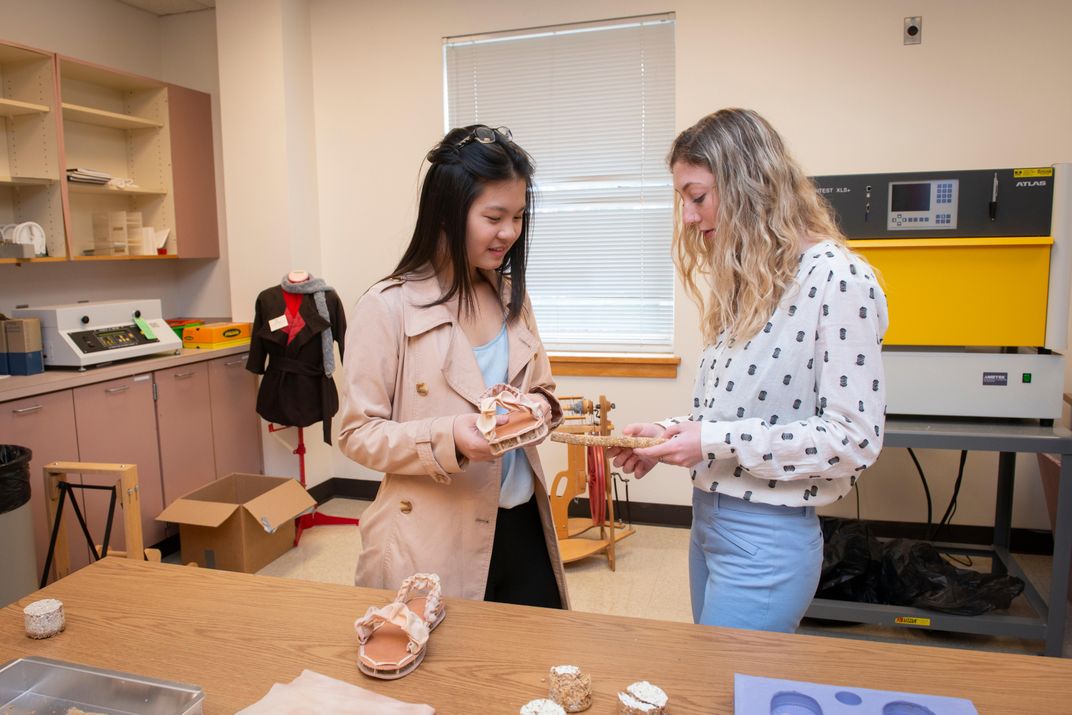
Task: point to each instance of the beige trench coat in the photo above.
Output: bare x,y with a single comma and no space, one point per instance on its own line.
409,370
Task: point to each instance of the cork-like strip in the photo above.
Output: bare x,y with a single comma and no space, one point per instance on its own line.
596,440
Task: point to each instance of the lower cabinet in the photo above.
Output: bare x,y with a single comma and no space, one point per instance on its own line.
116,423
235,424
183,427
45,424
184,422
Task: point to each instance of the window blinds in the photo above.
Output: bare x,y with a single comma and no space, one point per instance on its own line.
594,106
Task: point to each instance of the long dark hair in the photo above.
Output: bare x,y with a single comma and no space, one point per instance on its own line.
455,179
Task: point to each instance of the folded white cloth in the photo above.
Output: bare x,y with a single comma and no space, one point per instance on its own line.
314,694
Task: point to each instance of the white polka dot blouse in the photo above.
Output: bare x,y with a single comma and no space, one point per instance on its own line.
794,415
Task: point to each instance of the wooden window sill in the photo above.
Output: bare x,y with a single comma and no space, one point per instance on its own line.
661,365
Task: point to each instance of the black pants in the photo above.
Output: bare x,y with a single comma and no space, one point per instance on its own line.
520,570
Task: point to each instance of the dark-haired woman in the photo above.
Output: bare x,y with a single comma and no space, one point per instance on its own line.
452,320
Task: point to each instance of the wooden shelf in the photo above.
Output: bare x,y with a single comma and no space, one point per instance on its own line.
39,259
15,108
103,118
30,148
68,113
25,181
158,257
78,187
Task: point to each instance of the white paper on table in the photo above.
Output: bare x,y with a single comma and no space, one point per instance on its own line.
314,694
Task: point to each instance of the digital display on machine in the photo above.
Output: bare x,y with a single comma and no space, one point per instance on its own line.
923,205
101,339
910,197
117,338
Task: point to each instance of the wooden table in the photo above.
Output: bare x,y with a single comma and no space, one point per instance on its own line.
235,635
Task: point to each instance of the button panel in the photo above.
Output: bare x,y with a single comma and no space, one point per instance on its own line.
922,205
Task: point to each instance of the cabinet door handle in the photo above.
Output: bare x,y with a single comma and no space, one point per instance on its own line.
234,362
113,390
27,410
183,375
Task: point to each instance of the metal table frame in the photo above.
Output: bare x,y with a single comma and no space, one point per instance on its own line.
1006,438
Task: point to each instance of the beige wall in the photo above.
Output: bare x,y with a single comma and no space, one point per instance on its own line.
329,105
986,88
180,49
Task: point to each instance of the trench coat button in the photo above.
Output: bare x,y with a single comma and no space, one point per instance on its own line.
405,506
422,389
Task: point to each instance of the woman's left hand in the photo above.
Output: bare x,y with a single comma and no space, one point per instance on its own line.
682,447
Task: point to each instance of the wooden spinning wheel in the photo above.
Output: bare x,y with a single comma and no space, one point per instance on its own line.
586,471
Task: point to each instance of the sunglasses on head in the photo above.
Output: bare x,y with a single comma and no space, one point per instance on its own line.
485,135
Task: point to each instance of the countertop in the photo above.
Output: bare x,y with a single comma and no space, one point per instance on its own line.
17,387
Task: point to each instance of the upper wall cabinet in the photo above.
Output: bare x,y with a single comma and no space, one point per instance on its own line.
30,180
113,166
117,150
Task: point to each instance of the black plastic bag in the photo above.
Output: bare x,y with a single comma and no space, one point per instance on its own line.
14,477
851,559
914,574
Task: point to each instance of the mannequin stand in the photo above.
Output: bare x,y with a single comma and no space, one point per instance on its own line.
308,521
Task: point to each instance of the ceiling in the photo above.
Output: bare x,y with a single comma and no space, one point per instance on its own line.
170,7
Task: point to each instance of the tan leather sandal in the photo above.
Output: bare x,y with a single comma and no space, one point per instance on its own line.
393,640
525,419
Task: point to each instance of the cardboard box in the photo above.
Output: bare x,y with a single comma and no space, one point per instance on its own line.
21,349
25,363
180,324
23,335
216,334
241,522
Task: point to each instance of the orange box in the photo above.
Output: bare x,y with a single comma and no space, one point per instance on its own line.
216,335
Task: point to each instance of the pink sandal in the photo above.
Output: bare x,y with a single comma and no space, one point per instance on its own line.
392,640
525,422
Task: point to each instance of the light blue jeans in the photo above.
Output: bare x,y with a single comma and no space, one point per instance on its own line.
752,565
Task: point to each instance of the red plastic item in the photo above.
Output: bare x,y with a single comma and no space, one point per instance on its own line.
597,485
308,521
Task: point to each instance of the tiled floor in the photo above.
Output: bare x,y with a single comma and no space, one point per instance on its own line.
651,581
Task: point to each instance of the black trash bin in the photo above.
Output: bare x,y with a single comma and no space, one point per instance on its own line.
16,524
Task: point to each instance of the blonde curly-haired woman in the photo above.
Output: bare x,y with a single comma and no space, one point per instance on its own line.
790,394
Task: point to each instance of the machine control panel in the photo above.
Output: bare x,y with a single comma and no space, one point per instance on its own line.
100,339
948,204
922,205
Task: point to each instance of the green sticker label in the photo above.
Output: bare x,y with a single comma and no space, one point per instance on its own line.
144,328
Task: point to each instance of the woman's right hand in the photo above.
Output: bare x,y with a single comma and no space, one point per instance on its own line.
469,441
626,459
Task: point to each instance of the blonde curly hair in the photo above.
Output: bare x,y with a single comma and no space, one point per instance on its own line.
767,206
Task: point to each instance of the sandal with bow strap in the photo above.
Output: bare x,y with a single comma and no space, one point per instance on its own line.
525,422
392,641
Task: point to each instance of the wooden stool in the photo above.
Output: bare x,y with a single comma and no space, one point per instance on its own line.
126,482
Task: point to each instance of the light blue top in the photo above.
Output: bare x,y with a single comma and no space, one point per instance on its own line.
516,487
